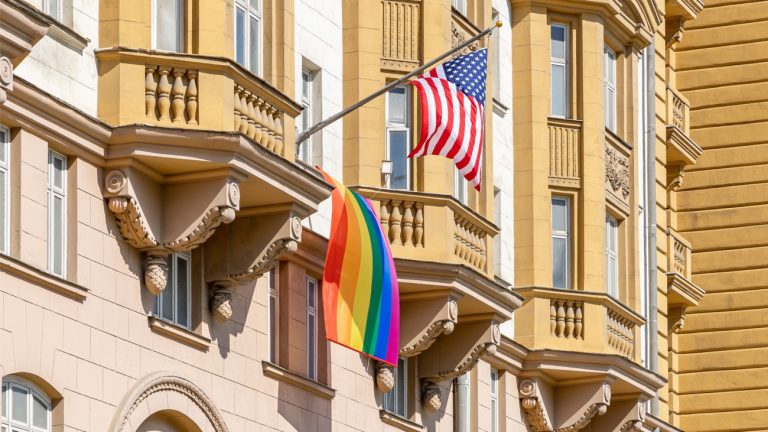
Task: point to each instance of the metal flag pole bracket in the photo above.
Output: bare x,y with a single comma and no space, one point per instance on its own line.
312,130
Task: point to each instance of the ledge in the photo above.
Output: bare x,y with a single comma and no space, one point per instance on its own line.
682,291
180,334
281,374
585,296
681,148
399,422
42,278
499,108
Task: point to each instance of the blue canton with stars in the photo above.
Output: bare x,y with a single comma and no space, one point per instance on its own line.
468,73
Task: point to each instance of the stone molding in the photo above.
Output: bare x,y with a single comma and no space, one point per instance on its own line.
6,78
537,418
443,314
271,255
128,417
455,354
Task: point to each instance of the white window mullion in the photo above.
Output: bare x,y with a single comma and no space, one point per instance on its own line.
609,80
611,256
560,85
248,34
305,148
274,315
311,328
494,400
5,190
398,139
57,213
561,265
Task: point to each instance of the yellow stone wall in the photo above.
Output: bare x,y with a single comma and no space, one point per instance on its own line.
721,69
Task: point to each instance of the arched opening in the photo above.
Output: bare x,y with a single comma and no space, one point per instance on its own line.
168,421
28,403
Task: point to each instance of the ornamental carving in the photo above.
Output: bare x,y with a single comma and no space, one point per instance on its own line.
6,78
481,349
168,383
271,255
431,398
436,329
156,272
536,416
458,38
617,172
636,424
385,377
221,302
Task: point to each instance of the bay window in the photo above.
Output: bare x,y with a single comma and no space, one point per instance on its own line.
168,25
398,137
609,83
558,61
248,34
612,256
561,240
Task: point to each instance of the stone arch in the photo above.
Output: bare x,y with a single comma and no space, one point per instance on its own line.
168,421
166,392
45,388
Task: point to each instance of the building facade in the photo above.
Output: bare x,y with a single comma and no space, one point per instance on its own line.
163,236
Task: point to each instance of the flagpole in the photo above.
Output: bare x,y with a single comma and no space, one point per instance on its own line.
309,132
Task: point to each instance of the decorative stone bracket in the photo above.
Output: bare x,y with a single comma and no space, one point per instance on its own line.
6,78
570,409
163,218
423,320
627,414
245,249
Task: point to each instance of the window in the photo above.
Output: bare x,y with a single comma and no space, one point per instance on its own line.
612,255
459,187
398,137
561,265
248,34
311,328
53,8
57,213
168,25
460,5
395,401
495,63
494,400
5,190
497,239
25,408
174,303
306,116
609,81
274,315
558,60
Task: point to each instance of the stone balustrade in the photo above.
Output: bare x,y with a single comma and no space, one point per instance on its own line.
194,92
574,320
678,112
564,152
679,254
433,227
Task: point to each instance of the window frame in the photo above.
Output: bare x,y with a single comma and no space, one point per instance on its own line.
312,311
5,202
8,383
556,234
399,127
460,6
496,58
612,236
173,269
59,9
565,63
305,153
250,12
392,398
460,187
180,41
610,85
273,306
53,193
494,399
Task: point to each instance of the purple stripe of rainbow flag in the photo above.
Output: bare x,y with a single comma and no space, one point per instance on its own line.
360,293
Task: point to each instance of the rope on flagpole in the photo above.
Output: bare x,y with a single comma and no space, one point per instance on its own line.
322,124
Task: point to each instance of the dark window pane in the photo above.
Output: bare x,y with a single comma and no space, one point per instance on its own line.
398,154
182,291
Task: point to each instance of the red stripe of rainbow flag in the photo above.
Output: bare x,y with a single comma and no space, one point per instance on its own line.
360,293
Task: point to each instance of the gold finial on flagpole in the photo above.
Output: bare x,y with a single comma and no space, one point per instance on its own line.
499,24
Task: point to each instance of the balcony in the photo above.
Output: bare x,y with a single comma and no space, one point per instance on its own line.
681,149
682,293
577,321
564,152
194,92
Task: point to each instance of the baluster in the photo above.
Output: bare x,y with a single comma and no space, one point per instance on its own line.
163,93
395,223
192,97
384,218
419,224
552,317
560,318
237,108
270,121
569,317
408,223
279,133
456,236
150,87
261,122
579,321
177,93
253,128
244,113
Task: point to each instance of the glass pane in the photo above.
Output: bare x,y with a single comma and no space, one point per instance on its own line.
3,147
19,405
272,278
3,209
398,154
240,36
182,291
494,415
57,235
557,45
53,9
272,328
168,19
58,173
255,45
400,388
397,109
610,109
255,5
311,350
4,401
166,297
311,293
559,215
559,90
305,81
39,413
494,382
559,262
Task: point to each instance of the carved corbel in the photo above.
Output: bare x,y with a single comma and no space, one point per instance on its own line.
6,78
431,397
627,414
675,174
423,320
455,354
385,377
221,301
676,318
156,271
532,402
675,30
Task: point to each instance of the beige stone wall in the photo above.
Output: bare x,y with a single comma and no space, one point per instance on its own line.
724,343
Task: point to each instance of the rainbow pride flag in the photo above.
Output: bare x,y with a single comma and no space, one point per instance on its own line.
361,300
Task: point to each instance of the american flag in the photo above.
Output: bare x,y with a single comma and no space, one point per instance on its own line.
452,107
